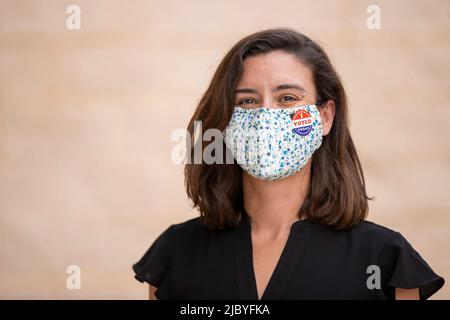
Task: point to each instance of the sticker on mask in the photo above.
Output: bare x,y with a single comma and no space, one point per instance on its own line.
301,122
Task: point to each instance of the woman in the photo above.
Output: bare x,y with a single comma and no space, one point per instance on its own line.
286,219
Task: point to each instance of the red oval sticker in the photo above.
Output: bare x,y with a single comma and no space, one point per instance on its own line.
301,122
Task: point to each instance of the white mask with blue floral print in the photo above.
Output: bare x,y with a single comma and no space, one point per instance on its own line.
273,143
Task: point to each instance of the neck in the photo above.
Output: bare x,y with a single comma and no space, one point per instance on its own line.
274,205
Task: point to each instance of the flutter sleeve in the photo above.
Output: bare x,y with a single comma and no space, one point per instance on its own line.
403,267
154,265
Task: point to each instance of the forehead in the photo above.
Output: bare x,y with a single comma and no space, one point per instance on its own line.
275,68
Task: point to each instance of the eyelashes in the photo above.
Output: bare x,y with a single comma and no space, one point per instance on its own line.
243,100
283,99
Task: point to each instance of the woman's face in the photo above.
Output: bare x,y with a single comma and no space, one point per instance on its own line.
279,80
275,80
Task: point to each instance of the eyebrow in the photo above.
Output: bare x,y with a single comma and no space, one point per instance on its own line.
278,88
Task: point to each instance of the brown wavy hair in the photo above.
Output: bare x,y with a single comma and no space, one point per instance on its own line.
337,195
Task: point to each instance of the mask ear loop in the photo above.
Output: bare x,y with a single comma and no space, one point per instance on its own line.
320,103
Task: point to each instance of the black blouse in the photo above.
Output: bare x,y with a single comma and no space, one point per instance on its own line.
190,261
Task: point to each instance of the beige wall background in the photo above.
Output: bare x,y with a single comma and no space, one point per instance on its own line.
86,117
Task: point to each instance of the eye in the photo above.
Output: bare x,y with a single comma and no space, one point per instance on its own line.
246,101
288,99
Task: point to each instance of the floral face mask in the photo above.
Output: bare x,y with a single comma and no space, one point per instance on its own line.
274,143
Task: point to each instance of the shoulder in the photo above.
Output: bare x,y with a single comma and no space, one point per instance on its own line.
365,233
189,230
377,236
366,238
191,234
190,225
373,231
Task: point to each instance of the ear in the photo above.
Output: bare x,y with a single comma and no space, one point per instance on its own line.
327,112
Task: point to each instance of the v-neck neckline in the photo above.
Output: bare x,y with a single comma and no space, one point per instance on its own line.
285,267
